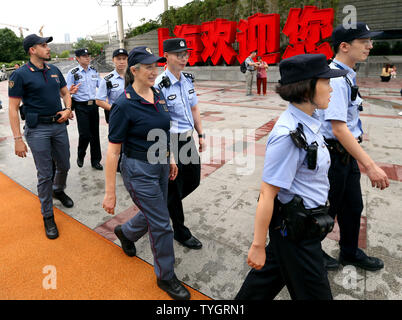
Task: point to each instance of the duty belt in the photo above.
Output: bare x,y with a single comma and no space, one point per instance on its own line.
336,147
141,155
49,119
85,103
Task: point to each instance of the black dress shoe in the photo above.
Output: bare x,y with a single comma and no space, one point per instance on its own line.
329,262
361,260
80,162
51,228
65,199
127,245
192,243
174,288
97,166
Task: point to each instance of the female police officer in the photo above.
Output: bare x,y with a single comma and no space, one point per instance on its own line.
294,190
136,115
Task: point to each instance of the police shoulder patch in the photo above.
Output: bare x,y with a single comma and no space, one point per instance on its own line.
109,76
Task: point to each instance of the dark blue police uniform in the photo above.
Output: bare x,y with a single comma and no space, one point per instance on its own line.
39,90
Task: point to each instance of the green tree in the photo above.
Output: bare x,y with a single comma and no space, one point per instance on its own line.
11,46
94,48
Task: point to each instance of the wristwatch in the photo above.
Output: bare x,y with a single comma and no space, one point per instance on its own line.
202,135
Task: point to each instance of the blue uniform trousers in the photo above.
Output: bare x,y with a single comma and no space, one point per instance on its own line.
187,180
148,187
49,143
299,266
345,199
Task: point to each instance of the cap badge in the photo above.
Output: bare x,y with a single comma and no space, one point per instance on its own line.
148,50
367,27
121,51
182,44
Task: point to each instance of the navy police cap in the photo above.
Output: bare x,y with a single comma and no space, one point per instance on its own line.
143,55
119,51
175,45
33,39
81,52
307,66
361,31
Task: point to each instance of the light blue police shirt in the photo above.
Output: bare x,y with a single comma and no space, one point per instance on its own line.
111,94
285,164
89,80
341,107
180,98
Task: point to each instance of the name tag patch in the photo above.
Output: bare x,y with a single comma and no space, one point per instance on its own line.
191,91
172,97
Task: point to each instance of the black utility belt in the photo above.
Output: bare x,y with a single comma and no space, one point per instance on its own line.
336,147
33,119
299,223
85,103
49,119
142,155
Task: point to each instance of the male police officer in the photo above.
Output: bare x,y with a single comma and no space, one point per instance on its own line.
341,126
178,89
82,82
112,85
39,86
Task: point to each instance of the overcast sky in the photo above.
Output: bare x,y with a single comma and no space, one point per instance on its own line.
79,18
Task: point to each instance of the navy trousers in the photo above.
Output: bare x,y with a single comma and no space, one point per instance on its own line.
345,199
50,146
148,187
299,266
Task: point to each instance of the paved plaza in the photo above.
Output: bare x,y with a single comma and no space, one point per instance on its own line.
221,211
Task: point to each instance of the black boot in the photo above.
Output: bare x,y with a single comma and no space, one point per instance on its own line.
174,288
65,199
51,228
127,245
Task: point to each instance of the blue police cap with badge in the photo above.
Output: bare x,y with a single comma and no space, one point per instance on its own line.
175,45
307,66
81,52
143,55
33,39
361,31
119,51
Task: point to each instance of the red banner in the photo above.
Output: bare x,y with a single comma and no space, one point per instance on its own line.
306,29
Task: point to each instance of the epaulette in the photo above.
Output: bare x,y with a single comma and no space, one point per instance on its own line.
75,70
109,76
93,68
189,75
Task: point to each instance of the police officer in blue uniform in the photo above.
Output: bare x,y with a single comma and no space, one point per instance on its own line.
39,86
139,123
112,85
82,82
177,86
294,190
342,129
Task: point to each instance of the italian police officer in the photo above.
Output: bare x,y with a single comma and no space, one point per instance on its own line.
39,86
82,82
177,86
139,123
294,190
342,129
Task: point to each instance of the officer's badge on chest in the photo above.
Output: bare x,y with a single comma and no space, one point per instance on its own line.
55,77
163,104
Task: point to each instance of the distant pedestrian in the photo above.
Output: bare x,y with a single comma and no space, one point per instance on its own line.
393,72
262,76
251,66
386,73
